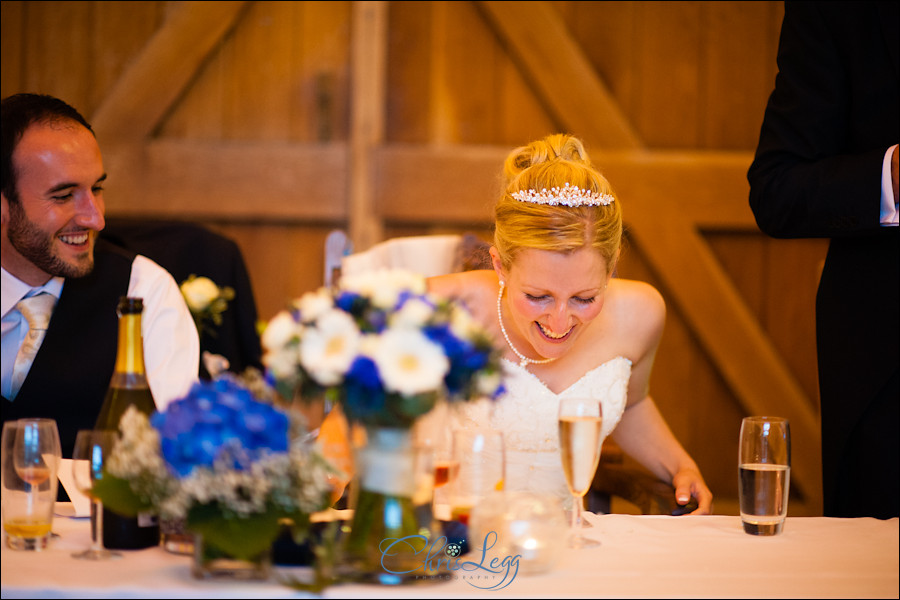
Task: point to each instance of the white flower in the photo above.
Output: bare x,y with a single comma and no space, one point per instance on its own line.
328,349
414,313
199,293
410,363
282,363
487,384
383,286
463,325
313,304
280,330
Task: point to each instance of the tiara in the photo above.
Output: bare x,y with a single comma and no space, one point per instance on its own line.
569,195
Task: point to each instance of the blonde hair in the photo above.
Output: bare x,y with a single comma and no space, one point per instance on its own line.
544,164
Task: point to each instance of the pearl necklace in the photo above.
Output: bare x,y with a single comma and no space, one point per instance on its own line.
525,360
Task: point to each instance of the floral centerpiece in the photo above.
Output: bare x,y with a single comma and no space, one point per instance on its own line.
234,467
381,347
386,351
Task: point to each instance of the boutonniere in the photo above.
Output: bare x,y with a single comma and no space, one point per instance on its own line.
206,301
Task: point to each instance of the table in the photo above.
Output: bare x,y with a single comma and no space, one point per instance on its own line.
640,556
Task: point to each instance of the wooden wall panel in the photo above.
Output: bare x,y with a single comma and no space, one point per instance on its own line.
738,55
59,45
669,37
260,144
12,24
121,31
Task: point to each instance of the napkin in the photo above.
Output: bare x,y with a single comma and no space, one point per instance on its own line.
81,503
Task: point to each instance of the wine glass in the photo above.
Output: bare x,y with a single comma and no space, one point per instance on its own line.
92,448
31,457
37,450
580,422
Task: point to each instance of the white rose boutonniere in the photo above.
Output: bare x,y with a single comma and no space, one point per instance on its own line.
206,301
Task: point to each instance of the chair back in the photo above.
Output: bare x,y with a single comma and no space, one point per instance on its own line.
184,249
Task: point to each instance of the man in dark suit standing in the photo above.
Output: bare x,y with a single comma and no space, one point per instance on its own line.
826,166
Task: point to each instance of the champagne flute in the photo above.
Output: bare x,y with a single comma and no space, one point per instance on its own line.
580,422
92,448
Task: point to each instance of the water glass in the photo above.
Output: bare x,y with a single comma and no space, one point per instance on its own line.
31,454
481,468
764,474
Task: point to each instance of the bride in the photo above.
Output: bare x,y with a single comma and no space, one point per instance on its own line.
567,326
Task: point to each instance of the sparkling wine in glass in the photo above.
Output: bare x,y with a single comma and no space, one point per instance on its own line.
92,448
580,422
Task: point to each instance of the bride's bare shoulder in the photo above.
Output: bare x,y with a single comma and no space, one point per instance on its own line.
636,302
473,288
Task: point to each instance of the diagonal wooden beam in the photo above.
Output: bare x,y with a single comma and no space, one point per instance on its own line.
726,328
156,78
565,79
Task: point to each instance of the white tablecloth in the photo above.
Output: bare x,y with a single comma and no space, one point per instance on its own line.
640,556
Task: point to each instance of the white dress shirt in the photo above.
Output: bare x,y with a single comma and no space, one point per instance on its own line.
889,210
171,342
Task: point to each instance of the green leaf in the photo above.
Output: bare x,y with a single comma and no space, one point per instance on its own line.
117,496
240,537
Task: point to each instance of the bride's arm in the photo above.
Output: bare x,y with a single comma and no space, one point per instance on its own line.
642,432
645,436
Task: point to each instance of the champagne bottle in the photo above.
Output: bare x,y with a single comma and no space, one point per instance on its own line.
128,387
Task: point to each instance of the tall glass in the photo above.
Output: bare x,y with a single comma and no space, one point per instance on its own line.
580,423
92,448
31,455
479,460
764,474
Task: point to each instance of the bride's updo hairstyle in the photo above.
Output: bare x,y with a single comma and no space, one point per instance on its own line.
553,162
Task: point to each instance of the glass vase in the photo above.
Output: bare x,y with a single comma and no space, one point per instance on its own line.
211,562
392,537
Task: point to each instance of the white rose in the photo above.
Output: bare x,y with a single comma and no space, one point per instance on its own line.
199,293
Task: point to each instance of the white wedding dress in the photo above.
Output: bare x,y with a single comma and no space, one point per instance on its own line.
527,416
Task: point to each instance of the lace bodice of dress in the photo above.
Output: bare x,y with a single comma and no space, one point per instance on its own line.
527,416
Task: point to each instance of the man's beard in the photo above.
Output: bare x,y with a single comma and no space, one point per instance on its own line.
37,247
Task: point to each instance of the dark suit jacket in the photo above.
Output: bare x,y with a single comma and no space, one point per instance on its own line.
817,173
185,249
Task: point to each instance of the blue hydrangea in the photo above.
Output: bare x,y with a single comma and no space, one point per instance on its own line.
219,420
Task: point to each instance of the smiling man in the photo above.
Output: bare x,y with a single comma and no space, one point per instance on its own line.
52,212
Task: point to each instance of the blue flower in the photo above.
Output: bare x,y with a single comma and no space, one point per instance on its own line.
363,389
219,420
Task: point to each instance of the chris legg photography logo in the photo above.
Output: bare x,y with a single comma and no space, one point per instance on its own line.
441,559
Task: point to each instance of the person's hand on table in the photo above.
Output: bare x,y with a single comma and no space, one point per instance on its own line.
689,483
